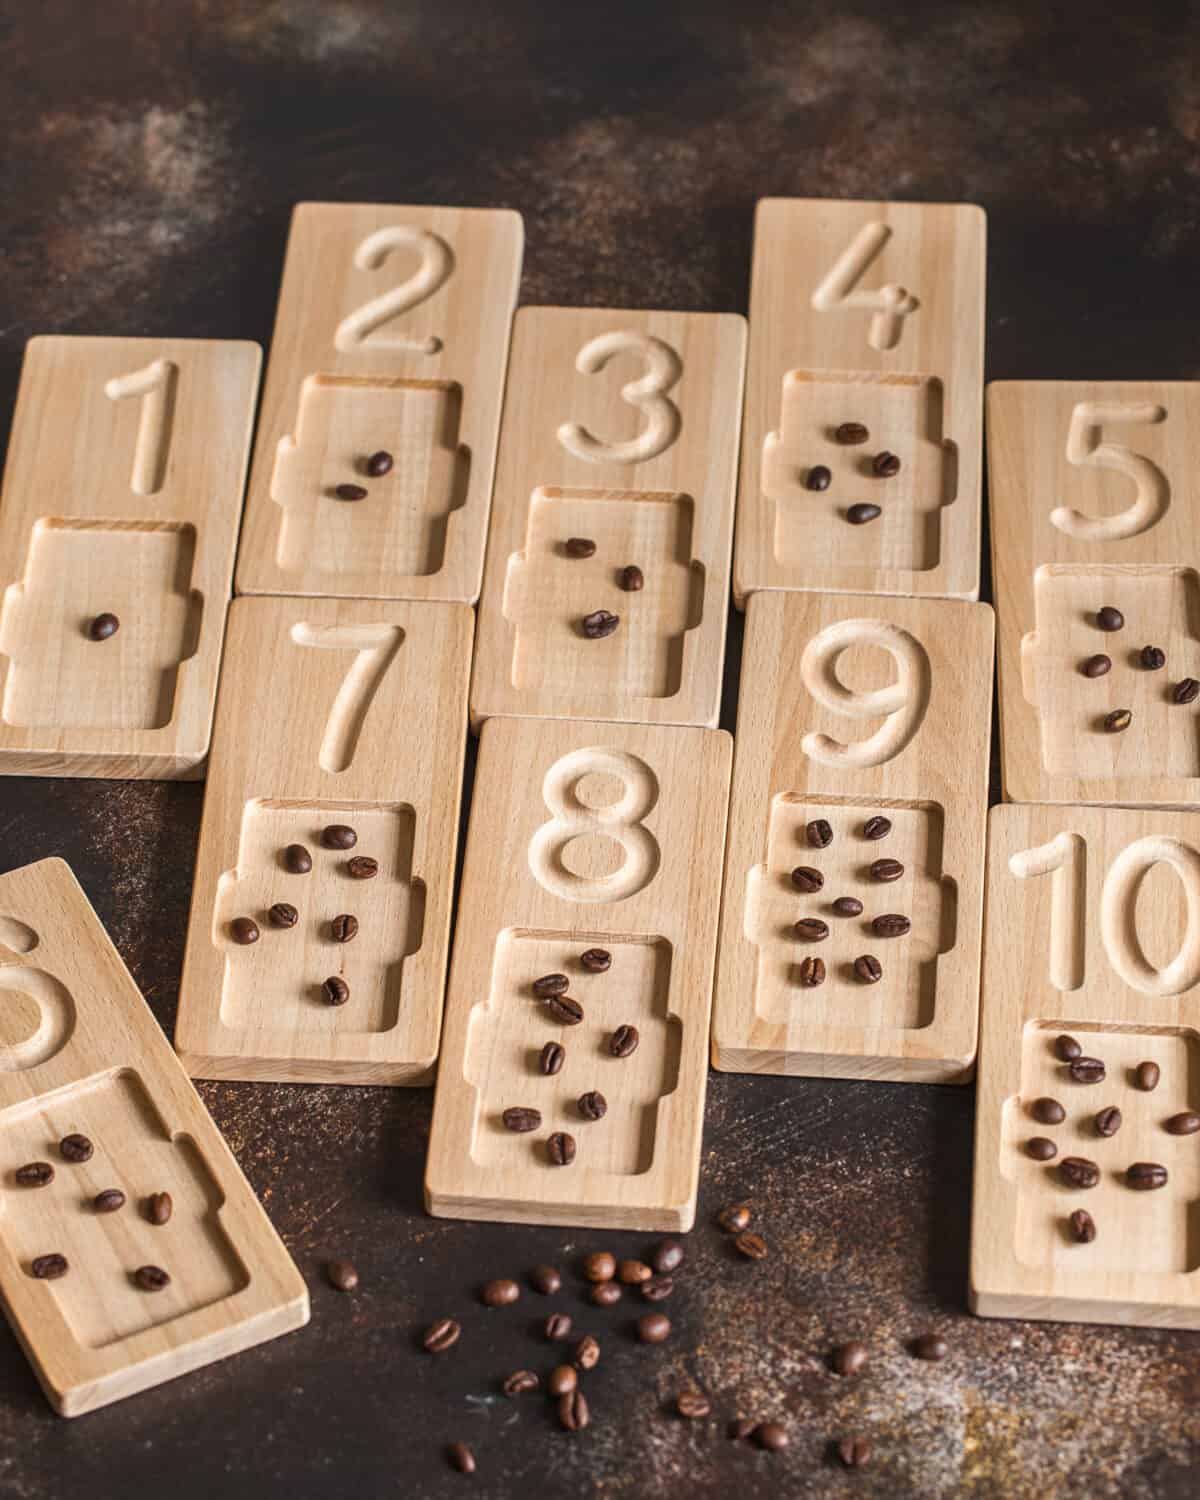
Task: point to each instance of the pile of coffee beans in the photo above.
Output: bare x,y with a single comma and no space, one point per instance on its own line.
882,465
598,624
1150,658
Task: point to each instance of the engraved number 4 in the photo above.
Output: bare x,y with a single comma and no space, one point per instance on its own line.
889,304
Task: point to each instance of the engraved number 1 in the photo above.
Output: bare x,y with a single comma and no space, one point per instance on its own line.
154,386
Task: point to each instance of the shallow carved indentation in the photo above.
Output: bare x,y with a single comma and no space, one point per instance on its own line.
901,701
37,1015
1087,448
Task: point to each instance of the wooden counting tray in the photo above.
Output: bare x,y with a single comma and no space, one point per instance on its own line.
1093,504
333,713
1093,931
122,494
868,313
582,836
391,336
850,709
620,428
81,1053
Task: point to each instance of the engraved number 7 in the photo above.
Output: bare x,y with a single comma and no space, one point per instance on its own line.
374,648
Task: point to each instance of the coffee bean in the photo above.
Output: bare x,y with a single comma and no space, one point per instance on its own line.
502,1292
634,1272
344,928
550,984
342,1274
1152,658
849,1359
461,1458
751,1245
930,1346
1146,1175
849,433
283,914
854,1452
772,1436
520,1383
653,1328
1083,1226
1041,1149
658,1288
49,1267
297,859
562,1380
362,867
848,906
573,1411
735,1218
1047,1111
593,1105
339,836
1078,1172
557,1326
600,1266
521,1120
244,930
103,627
34,1174
806,879
1097,666
631,579
812,973
560,1148
1109,618
891,924
819,834
596,960
863,513
75,1148
667,1256
1146,1076
887,870
1187,1123
441,1335
885,465
877,828
379,464
350,492
600,623
552,1057
811,929
868,969
1187,690
335,990
1087,1070
818,478
579,546
740,1428
1118,721
606,1294
565,1009
624,1041
151,1279
159,1208
1108,1121
1067,1049
109,1201
693,1405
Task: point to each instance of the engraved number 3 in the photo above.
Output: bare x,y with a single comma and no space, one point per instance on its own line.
647,393
572,819
434,270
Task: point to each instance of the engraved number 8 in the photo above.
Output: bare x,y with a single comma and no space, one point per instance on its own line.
573,819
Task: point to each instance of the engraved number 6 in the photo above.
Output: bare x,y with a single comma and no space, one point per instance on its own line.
648,394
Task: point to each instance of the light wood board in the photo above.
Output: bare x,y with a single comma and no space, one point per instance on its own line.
852,708
81,1053
1093,931
1094,503
620,428
582,836
391,336
122,495
347,713
869,313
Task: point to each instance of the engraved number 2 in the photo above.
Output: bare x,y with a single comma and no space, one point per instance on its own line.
648,394
436,266
903,701
154,386
1086,447
572,818
374,648
889,304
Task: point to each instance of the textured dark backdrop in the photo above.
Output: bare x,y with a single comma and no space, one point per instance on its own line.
153,151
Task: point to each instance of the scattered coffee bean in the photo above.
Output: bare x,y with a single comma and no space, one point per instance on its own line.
930,1346
634,1272
573,1411
891,924
342,1275
550,984
812,973
1108,1121
75,1148
461,1458
811,929
1118,721
441,1335
751,1245
109,1201
49,1267
849,1359
606,1294
847,906
579,546
339,836
877,828
593,1105
854,1452
1186,691
502,1292
868,969
350,492
885,465
335,990
159,1208
297,860
1186,1123
887,870
1110,618
379,464
521,1120
863,513
658,1288
1047,1111
283,914
624,1041
344,928
806,879
565,1009
1146,1076
1087,1070
1083,1227
692,1404
1152,658
600,623
587,1353
1078,1172
1097,666
151,1279
34,1174
667,1256
653,1328
244,931
818,478
103,627
600,1266
740,1428
552,1057
819,834
557,1326
560,1149
596,960
520,1383
772,1436
735,1218
1067,1049
562,1380
631,579
362,867
1145,1175
1041,1148
850,433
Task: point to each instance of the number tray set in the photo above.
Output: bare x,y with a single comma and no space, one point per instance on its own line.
525,523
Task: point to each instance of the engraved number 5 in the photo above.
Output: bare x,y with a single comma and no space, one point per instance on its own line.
1086,447
648,394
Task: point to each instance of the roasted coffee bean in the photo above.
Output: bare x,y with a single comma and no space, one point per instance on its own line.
606,1294
573,1411
1040,1148
379,464
34,1174
297,859
502,1292
362,867
849,1359
244,931
335,990
283,914
600,623
103,627
891,924
562,1380
930,1346
633,1272
557,1326
1083,1227
1145,1175
811,929
740,1428
667,1256
550,984
441,1335
350,492
812,973
751,1245
653,1328
1087,1070
854,1452
850,433
735,1218
49,1267
159,1208
1146,1076
806,879
658,1288
1118,721
693,1405
521,1120
885,465
1108,1121
344,928
109,1201
772,1436
848,906
593,1105
819,834
624,1041
818,478
342,1275
151,1279
1067,1049
600,1266
863,513
1047,1111
552,1057
631,579
579,546
1078,1172
1109,618
868,969
887,870
877,828
546,1279
520,1383
596,960
1097,666
339,836
1186,1123
75,1148
565,1009
560,1149
1152,658
1187,690
461,1458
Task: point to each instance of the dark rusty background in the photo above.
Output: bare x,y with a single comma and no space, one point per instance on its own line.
153,150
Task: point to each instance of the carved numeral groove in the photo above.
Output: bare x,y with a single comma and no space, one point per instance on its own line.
889,304
1064,859
1086,448
901,703
568,852
154,385
434,270
647,393
375,648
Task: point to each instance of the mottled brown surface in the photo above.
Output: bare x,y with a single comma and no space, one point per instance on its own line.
153,151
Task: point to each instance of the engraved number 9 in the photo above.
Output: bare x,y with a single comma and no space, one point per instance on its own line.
902,703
